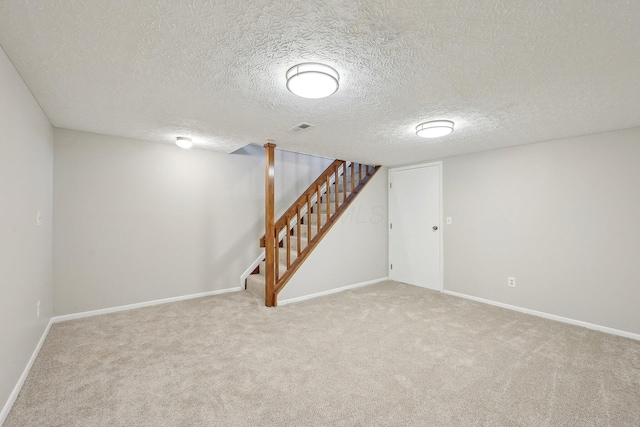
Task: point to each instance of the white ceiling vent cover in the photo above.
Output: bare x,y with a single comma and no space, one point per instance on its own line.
301,126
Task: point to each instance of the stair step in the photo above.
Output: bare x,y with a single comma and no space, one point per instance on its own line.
341,187
323,208
303,232
348,181
332,198
294,240
255,284
283,264
283,254
314,220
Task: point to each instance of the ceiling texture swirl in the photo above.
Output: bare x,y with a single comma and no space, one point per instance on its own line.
506,72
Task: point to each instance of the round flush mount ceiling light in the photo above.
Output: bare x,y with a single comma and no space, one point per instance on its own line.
434,129
184,142
312,80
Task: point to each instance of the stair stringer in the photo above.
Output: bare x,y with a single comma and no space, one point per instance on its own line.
281,235
354,251
255,277
326,229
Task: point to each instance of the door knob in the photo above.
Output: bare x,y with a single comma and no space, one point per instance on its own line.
435,228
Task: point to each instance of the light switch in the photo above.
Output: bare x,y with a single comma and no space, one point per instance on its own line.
39,218
448,220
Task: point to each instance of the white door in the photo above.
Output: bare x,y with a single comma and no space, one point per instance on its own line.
414,226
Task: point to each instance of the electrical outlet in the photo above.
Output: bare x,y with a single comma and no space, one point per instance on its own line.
38,310
512,282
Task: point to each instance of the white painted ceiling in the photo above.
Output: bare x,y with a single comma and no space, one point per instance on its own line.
507,72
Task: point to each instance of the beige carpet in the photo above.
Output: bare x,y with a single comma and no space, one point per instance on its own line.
384,355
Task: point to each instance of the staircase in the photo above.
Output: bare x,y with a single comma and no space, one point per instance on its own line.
299,230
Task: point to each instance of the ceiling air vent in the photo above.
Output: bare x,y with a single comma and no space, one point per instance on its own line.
300,127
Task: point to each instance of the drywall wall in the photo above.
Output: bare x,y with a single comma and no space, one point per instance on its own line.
562,217
136,221
26,162
294,173
355,249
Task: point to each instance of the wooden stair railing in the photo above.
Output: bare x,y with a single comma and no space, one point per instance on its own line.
341,177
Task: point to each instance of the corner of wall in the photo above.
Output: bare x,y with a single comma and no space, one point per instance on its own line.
26,189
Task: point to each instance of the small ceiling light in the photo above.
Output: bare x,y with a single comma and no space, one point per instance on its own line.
184,142
312,80
434,129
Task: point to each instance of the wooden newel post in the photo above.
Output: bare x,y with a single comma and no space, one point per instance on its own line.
269,232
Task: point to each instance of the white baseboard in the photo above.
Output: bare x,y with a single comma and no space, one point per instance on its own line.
56,319
16,390
548,316
80,315
331,291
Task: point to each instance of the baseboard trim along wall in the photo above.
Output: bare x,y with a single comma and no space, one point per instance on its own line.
91,313
23,377
63,318
587,325
331,291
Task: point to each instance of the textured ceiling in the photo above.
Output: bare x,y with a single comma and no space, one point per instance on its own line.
507,72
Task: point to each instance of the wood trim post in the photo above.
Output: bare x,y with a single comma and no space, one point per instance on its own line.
269,227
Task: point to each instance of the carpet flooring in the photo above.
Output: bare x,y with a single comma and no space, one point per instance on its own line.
383,355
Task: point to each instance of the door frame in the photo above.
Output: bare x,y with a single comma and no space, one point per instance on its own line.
439,165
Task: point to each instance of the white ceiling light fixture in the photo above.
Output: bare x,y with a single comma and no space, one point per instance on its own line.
312,80
434,129
184,142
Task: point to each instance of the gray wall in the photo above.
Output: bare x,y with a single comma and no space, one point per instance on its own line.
137,221
294,173
354,251
26,161
562,217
